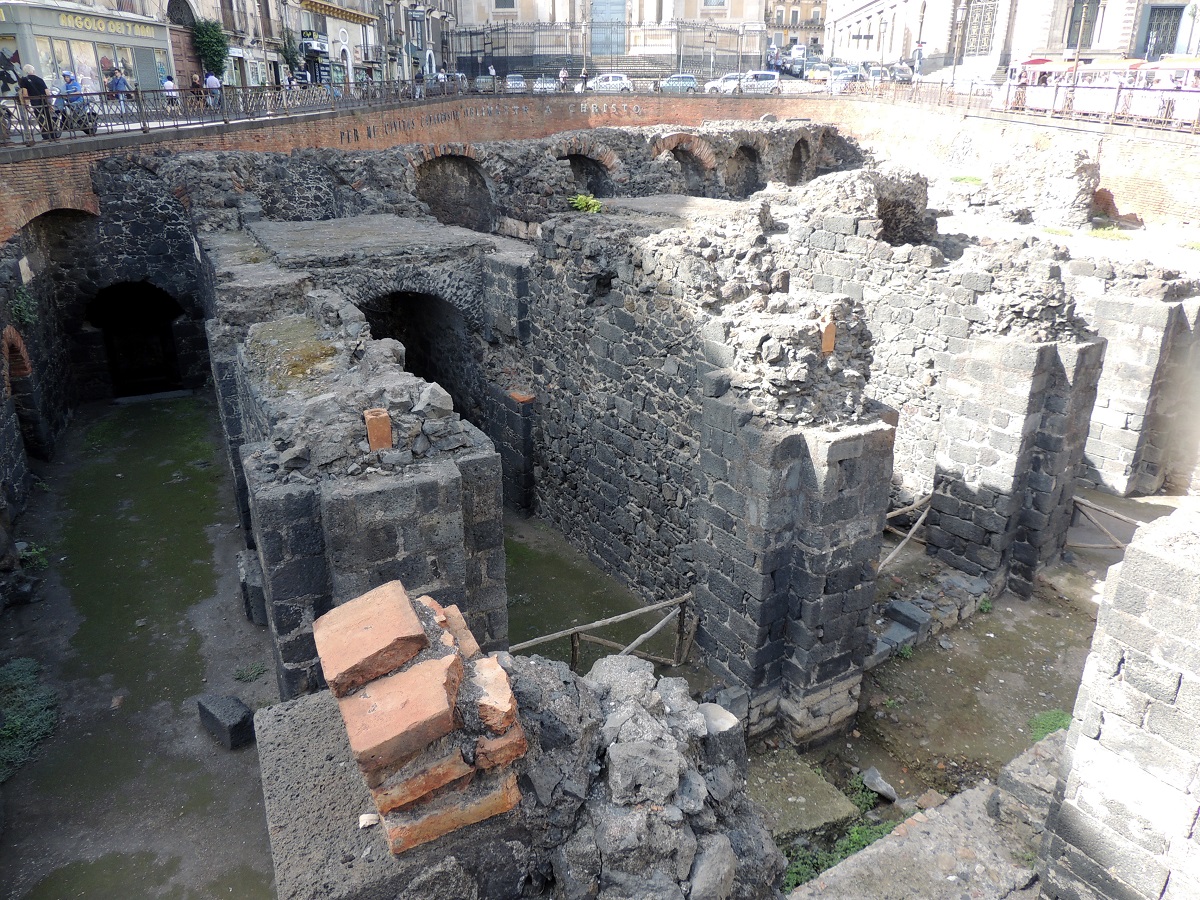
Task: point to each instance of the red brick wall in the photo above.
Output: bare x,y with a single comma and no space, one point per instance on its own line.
1156,176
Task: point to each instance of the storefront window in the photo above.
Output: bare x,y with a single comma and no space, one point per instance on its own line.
337,72
86,66
62,56
108,57
161,64
45,61
125,61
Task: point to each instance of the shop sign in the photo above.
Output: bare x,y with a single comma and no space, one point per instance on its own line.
106,26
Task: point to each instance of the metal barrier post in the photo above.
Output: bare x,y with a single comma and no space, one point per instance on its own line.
141,107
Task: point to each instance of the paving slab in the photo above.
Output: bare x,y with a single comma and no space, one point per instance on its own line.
954,851
792,796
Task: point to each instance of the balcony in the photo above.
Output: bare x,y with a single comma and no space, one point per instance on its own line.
373,53
346,10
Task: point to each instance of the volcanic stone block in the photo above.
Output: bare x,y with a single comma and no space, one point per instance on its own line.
395,718
254,599
227,719
364,640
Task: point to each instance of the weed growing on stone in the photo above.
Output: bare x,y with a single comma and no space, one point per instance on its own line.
1054,229
1048,722
805,863
586,203
861,795
252,672
985,604
24,307
1191,245
904,652
34,558
967,179
892,702
30,712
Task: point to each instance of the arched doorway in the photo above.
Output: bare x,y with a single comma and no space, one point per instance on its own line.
742,176
590,176
798,165
694,176
457,193
139,341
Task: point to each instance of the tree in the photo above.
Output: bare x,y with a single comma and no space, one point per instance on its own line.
289,51
212,45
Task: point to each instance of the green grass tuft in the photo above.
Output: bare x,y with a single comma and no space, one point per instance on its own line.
967,179
252,672
1110,233
1191,245
804,864
905,652
1048,722
1054,229
985,604
30,712
861,795
586,203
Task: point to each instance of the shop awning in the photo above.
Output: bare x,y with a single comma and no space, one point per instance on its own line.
333,11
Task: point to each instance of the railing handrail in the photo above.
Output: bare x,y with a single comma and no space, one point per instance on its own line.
601,623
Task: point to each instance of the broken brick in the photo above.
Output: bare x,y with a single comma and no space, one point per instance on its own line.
497,705
447,814
401,793
393,719
379,429
500,751
368,637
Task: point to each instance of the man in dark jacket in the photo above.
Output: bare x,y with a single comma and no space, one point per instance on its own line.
36,95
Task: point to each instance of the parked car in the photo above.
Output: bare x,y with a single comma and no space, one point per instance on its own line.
679,84
902,74
819,72
878,75
545,84
726,84
485,84
515,84
612,83
844,78
760,83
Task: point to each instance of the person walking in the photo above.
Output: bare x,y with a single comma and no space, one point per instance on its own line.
36,95
212,85
196,94
119,86
170,95
563,75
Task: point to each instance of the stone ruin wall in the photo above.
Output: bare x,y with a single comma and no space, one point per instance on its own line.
1123,819
730,470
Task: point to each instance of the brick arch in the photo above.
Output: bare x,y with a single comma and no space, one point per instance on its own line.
457,188
14,358
692,143
50,201
583,144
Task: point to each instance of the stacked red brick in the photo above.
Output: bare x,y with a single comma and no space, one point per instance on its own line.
432,722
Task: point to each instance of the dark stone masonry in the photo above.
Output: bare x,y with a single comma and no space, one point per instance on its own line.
717,386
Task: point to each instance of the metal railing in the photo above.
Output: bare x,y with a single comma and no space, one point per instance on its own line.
144,111
1171,109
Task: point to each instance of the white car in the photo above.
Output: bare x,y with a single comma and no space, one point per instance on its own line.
726,84
761,83
613,83
515,84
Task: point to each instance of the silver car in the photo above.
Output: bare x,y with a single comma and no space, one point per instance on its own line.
612,83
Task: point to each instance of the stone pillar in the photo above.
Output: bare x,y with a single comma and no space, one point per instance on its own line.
843,477
1126,445
510,418
222,342
1123,822
1013,415
786,542
296,579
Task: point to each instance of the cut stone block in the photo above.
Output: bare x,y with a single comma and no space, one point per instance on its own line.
393,719
491,753
379,429
449,813
497,705
898,635
368,637
254,600
402,792
227,719
911,616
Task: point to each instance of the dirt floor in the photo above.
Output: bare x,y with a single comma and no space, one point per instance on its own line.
139,613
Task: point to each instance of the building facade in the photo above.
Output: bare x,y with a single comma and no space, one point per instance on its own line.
797,22
979,39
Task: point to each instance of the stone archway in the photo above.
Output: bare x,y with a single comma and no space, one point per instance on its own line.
743,174
456,191
590,176
695,178
136,324
797,171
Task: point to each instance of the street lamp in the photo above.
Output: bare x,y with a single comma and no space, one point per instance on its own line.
960,13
